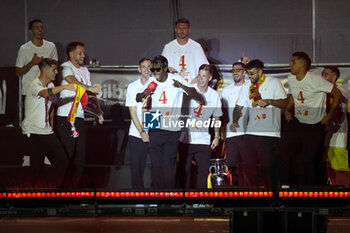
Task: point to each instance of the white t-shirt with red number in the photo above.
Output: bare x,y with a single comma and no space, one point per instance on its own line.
199,112
189,56
309,97
167,99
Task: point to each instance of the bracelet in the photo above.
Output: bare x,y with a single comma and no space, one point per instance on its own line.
49,91
218,137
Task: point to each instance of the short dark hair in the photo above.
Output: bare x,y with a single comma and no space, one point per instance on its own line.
182,20
47,62
255,64
334,70
207,67
34,21
72,46
144,59
160,60
303,56
239,63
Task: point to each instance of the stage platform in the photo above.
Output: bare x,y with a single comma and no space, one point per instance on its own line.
105,201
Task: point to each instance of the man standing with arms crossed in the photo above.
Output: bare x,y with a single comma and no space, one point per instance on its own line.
75,72
138,137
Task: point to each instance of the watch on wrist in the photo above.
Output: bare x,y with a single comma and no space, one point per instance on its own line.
218,137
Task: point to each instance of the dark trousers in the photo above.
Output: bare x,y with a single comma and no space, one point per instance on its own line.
163,151
39,147
300,153
259,157
74,147
201,154
234,147
138,157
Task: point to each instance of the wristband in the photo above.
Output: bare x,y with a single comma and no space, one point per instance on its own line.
49,91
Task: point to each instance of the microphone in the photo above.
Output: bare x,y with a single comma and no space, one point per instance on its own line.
141,97
152,86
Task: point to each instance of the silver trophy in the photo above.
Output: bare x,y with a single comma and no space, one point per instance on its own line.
221,176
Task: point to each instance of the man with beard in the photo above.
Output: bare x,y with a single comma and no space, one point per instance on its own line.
75,72
138,137
306,130
234,140
166,108
184,54
263,98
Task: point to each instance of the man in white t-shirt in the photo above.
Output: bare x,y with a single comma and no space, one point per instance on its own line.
306,130
75,72
195,139
184,54
138,137
234,140
164,125
263,98
37,126
337,135
29,56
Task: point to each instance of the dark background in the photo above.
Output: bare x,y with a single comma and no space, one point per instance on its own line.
122,31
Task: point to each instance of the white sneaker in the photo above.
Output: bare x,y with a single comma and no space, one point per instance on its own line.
26,161
47,161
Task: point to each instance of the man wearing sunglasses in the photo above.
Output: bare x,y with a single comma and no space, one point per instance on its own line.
234,140
184,54
263,98
166,103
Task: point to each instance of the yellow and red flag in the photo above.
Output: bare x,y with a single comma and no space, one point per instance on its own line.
80,97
